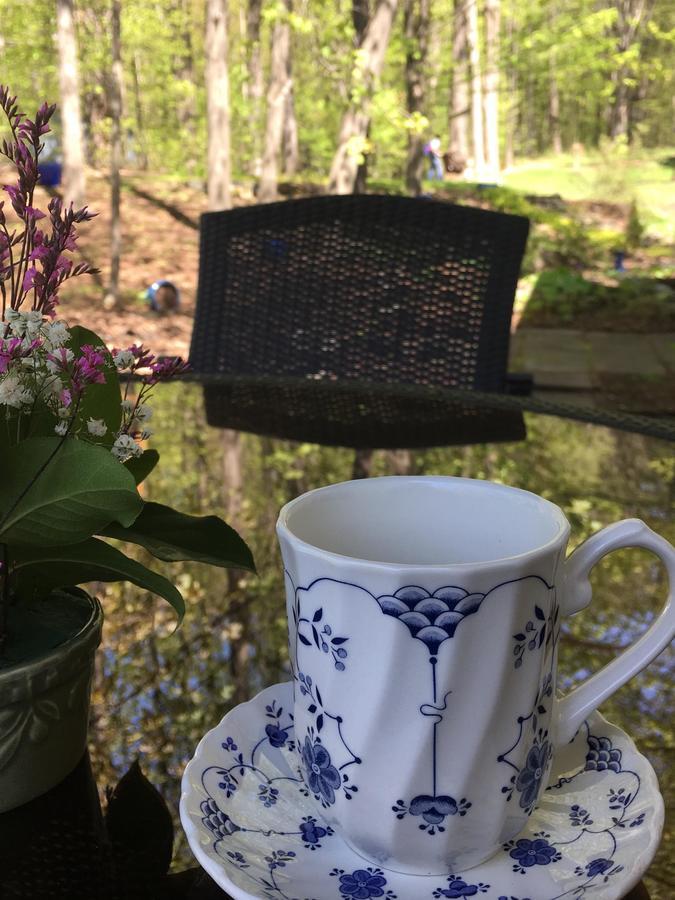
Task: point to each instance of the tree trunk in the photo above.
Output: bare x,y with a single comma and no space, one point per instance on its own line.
416,21
254,84
354,126
553,92
512,92
632,15
185,70
459,97
277,94
73,181
554,104
217,106
112,295
491,99
476,91
290,148
142,159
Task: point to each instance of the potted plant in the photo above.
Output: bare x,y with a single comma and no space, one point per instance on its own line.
71,460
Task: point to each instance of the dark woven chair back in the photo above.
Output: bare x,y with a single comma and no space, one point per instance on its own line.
312,313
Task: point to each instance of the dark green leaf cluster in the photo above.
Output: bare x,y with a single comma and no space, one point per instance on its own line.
60,495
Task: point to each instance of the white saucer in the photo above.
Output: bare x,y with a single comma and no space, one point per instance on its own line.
252,826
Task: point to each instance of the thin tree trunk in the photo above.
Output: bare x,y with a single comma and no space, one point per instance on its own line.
139,115
416,22
553,92
254,84
476,90
632,15
73,180
186,72
512,107
112,294
554,104
459,97
290,149
277,94
491,98
217,106
354,126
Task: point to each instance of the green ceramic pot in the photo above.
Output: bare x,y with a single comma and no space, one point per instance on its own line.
45,680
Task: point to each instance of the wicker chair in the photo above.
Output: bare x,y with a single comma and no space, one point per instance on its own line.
341,320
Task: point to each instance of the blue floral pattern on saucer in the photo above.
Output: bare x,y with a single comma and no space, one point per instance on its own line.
593,834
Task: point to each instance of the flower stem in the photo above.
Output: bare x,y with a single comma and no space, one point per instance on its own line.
4,595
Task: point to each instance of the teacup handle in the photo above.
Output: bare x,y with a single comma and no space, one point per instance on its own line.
576,706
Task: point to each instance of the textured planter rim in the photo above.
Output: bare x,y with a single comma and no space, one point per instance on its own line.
18,682
44,711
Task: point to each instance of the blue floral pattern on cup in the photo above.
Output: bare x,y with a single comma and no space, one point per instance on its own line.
603,827
528,853
322,778
532,774
458,887
362,884
602,756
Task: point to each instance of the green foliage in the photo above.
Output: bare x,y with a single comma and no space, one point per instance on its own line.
59,491
100,401
563,297
173,536
39,570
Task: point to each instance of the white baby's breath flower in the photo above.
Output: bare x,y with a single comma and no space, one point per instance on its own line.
146,434
33,323
127,406
63,412
55,334
97,427
123,359
61,428
14,393
143,413
16,322
52,384
125,447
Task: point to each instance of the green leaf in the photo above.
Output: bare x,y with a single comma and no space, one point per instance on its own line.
141,466
99,401
41,569
175,536
55,491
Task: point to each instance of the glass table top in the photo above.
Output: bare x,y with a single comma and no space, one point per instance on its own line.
159,689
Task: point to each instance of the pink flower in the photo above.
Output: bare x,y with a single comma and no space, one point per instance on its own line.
169,367
29,279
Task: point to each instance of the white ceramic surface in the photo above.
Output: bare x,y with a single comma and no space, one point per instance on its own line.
251,825
424,616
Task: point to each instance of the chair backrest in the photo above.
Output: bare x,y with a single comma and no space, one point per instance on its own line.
382,289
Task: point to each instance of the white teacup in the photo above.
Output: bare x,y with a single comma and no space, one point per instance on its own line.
424,616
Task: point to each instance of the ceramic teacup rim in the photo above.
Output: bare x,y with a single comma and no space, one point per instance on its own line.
558,539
